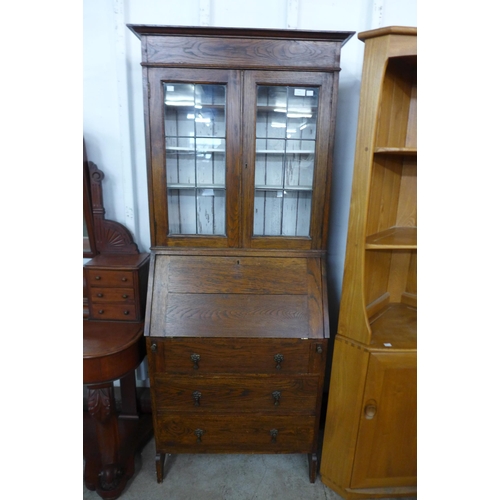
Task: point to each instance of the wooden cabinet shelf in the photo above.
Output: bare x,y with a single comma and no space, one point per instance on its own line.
369,447
396,151
395,325
393,238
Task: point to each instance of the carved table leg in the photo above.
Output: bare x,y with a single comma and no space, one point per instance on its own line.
313,466
111,477
160,462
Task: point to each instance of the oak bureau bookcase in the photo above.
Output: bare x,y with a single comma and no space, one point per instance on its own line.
239,137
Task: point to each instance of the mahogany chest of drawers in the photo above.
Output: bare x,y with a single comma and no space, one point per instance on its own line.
117,286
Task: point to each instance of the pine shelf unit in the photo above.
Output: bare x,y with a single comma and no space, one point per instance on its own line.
369,447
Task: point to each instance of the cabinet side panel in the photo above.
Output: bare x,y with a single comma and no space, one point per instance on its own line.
158,296
349,368
315,299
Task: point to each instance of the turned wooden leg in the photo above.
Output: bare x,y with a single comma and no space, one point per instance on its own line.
101,405
313,466
160,462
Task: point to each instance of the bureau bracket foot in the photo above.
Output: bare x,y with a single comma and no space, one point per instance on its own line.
313,466
160,463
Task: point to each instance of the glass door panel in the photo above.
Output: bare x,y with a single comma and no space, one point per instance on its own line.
285,148
195,143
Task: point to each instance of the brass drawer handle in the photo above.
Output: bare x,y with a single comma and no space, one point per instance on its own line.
198,433
277,396
274,435
279,358
197,397
195,358
319,348
154,347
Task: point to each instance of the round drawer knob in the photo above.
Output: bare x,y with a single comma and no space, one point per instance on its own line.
99,295
125,296
126,313
97,277
124,279
100,311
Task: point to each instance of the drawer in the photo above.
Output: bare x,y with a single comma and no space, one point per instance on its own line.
234,355
126,312
251,393
185,433
102,278
112,294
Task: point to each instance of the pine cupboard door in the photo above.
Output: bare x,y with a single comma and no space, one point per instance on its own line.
194,127
287,153
386,450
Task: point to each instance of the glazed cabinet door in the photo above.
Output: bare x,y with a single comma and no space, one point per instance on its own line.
286,156
195,139
386,450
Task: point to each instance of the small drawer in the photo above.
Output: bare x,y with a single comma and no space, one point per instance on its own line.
100,278
229,355
183,432
237,393
125,312
112,295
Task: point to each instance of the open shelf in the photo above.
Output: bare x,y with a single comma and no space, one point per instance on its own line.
395,325
396,151
404,238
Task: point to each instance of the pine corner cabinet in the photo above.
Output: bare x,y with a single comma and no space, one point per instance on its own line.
370,440
239,137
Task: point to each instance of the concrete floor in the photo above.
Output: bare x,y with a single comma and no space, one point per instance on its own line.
223,477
